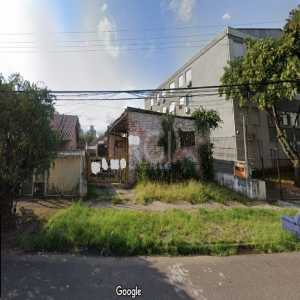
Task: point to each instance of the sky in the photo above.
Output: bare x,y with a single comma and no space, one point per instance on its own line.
116,44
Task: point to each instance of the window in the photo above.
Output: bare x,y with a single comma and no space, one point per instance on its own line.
188,77
295,120
188,100
172,86
165,110
163,95
158,99
172,107
181,81
182,101
285,119
187,138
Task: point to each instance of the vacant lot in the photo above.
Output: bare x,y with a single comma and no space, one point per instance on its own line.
126,232
194,192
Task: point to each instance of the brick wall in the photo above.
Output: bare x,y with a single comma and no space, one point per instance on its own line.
144,130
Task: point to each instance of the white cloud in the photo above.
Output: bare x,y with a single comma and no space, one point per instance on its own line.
107,32
226,16
65,69
182,8
104,7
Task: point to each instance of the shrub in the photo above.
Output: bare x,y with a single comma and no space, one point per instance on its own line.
180,170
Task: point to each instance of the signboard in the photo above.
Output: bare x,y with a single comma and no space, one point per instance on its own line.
240,169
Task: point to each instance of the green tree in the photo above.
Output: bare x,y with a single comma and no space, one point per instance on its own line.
167,124
89,136
27,142
293,21
245,80
205,122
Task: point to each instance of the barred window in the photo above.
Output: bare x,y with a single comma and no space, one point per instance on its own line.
187,138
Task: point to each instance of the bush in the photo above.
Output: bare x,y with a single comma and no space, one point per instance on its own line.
124,232
180,170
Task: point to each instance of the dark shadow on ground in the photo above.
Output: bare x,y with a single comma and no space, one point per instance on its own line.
109,194
83,277
101,192
284,193
49,202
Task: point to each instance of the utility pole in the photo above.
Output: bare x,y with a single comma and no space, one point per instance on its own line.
245,138
245,149
279,175
169,146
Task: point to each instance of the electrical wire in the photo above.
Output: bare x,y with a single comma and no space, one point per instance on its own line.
145,29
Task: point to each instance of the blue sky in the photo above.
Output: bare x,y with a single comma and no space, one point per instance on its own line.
118,25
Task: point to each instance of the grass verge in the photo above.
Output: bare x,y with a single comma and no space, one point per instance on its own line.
192,191
122,232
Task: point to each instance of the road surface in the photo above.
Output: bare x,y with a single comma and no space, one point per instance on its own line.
270,276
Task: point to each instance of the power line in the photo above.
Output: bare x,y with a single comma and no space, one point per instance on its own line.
166,43
147,93
116,48
166,37
144,29
296,80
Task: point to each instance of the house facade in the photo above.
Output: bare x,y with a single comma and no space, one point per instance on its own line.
66,176
134,137
206,69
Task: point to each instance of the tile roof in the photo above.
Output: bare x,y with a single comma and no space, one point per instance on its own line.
66,125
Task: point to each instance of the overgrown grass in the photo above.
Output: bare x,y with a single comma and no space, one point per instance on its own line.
190,191
123,232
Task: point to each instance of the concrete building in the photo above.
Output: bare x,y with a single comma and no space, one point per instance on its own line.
206,69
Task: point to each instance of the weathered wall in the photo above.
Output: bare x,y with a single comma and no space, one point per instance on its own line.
255,189
64,176
144,131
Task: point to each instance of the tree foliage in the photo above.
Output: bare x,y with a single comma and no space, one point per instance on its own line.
206,120
89,136
247,80
27,142
167,124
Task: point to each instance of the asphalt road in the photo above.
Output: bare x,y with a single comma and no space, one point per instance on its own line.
270,276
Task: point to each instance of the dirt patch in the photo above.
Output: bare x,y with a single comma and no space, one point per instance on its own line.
43,209
31,214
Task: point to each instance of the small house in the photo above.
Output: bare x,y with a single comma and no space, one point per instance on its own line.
66,176
137,134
